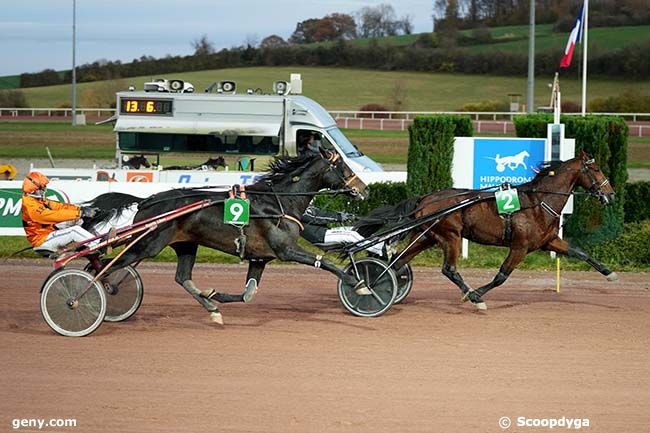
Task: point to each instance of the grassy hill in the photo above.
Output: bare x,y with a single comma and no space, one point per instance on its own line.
349,89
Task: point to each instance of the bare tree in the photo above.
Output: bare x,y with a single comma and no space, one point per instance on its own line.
202,46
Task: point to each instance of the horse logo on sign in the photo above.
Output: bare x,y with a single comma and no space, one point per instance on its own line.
499,160
512,162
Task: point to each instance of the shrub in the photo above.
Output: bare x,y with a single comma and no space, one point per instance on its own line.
373,107
431,151
628,102
380,194
637,205
570,107
629,249
13,99
487,106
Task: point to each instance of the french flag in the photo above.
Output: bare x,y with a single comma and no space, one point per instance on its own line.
574,38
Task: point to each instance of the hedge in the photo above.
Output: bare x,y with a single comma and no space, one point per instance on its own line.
431,151
604,137
637,205
380,194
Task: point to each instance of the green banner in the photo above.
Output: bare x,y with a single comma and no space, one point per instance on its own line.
507,200
236,211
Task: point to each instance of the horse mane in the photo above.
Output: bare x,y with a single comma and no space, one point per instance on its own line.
281,166
111,204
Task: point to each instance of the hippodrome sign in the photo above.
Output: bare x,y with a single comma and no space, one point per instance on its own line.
498,160
484,162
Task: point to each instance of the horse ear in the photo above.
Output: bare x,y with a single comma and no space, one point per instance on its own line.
585,155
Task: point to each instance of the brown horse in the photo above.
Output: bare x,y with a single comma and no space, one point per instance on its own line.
534,227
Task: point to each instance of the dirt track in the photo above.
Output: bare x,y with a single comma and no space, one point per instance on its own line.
295,361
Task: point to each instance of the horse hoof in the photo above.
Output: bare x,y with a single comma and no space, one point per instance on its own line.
481,306
612,277
216,317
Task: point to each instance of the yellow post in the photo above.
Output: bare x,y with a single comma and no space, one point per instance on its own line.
557,283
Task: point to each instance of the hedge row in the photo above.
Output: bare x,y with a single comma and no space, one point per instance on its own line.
631,61
637,203
431,151
606,139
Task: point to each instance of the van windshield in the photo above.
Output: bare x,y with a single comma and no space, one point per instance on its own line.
344,144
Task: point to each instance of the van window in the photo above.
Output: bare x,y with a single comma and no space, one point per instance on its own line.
244,144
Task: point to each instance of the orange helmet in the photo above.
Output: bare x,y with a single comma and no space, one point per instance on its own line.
34,181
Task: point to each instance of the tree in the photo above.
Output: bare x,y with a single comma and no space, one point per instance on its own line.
273,41
329,28
202,46
379,21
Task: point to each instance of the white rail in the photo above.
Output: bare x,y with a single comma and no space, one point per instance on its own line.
391,115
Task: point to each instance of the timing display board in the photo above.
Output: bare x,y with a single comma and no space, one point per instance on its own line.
146,106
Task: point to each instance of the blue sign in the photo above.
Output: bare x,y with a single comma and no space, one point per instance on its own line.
499,160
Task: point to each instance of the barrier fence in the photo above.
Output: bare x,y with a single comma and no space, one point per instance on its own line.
490,122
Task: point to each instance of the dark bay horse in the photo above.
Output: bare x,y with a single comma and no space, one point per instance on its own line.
534,227
277,203
210,164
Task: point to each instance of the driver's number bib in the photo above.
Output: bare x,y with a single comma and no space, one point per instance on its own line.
507,200
236,211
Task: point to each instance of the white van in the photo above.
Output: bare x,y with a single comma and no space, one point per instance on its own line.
226,121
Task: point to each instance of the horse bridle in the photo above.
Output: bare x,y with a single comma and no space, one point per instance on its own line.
334,160
596,187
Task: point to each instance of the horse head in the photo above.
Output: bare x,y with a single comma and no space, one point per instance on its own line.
340,176
594,180
136,162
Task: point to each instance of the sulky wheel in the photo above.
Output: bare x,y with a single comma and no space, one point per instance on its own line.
404,282
71,304
381,281
124,292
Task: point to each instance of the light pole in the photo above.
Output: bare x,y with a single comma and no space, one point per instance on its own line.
530,96
74,65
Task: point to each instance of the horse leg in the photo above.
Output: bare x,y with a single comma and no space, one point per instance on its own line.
296,254
186,253
255,269
562,247
515,256
451,248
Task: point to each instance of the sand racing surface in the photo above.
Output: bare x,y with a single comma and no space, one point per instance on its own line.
295,361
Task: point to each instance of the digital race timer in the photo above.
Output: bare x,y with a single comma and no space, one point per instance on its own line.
159,107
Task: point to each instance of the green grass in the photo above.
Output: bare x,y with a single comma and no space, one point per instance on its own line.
349,89
600,39
10,82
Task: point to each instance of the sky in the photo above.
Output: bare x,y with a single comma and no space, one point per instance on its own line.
37,34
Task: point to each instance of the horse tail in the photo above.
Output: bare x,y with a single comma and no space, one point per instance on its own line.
386,216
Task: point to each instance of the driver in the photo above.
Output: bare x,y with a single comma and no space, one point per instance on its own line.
307,143
317,231
41,216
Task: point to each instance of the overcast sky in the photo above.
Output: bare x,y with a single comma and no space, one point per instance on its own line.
37,34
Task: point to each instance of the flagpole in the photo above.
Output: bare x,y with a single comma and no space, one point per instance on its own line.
584,58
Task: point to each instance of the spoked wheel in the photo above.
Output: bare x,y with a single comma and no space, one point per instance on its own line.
404,282
71,304
124,292
381,281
